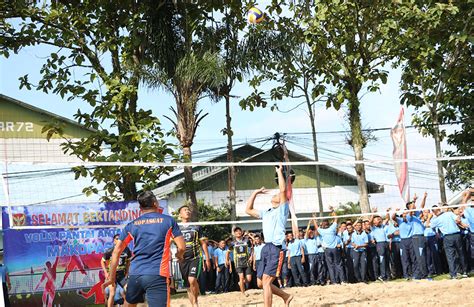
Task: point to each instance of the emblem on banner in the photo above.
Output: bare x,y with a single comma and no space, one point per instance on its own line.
19,219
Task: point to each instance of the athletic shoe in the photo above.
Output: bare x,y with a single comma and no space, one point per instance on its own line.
380,279
464,275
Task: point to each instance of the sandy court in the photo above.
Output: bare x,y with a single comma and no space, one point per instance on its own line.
420,293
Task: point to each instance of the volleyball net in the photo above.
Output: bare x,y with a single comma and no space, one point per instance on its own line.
318,188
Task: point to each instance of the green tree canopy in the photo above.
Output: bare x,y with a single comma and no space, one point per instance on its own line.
99,49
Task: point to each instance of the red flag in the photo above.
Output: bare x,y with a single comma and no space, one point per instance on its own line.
400,152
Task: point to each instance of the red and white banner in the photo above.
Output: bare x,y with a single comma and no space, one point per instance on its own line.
400,152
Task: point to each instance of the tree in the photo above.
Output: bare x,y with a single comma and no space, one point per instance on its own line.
293,68
105,43
198,70
437,79
351,42
236,59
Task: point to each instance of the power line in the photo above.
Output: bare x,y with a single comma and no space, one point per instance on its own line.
372,129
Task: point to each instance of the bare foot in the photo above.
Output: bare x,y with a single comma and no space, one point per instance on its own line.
288,300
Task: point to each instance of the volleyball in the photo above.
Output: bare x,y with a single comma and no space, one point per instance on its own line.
255,15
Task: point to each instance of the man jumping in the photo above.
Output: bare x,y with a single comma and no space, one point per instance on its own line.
273,225
191,266
49,291
150,266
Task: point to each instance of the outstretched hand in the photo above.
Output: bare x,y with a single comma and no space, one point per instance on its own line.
262,190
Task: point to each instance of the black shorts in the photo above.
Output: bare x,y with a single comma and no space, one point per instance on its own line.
244,270
190,268
154,288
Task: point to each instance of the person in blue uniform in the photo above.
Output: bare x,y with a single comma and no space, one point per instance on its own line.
273,226
296,260
418,239
349,263
311,258
393,233
407,253
433,263
222,271
150,266
447,223
379,235
359,242
332,254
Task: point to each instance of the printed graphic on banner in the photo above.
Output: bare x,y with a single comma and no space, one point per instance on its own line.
113,213
61,266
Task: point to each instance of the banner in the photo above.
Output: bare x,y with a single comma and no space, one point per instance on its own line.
400,152
61,265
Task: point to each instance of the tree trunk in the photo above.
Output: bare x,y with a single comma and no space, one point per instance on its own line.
189,185
316,158
230,158
358,144
129,189
437,138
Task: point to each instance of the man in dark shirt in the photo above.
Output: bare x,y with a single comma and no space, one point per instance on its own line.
122,269
191,266
241,259
150,266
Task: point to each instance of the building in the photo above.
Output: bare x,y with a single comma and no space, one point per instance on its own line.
338,187
22,138
22,141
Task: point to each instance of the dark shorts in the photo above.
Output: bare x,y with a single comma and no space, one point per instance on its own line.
245,270
270,261
121,279
190,268
152,287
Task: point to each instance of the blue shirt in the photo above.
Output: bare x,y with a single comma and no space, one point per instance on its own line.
379,233
329,236
319,244
339,242
274,223
345,237
469,215
295,248
359,239
220,255
311,245
151,234
370,237
446,222
406,228
391,230
429,232
257,250
418,227
210,250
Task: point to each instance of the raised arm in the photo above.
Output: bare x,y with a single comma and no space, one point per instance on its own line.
423,200
250,202
281,183
307,230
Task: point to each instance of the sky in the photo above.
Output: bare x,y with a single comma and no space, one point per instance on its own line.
378,110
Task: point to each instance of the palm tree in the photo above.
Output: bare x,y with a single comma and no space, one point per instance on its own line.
193,78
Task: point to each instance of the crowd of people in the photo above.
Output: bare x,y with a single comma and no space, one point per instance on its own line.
418,244
413,243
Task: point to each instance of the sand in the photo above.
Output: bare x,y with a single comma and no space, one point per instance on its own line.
396,293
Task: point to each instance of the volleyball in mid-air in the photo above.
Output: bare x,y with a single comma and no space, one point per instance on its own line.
255,15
